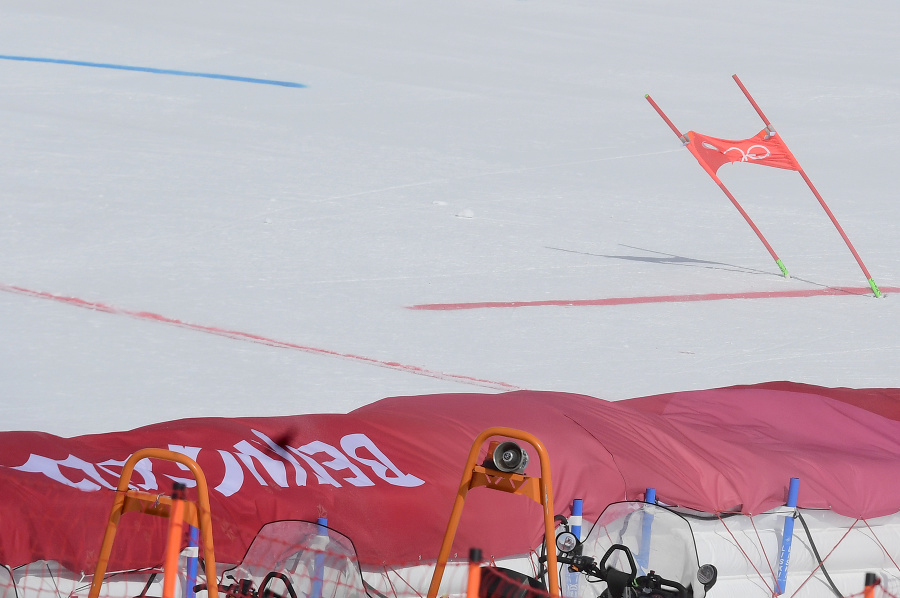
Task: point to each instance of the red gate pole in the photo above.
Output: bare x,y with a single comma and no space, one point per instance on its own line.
659,111
685,139
815,191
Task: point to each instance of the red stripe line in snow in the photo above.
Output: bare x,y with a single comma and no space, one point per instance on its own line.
255,338
656,299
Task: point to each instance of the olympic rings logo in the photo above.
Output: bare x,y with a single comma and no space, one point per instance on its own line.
750,154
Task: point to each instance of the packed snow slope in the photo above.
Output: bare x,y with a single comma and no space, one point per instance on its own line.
182,246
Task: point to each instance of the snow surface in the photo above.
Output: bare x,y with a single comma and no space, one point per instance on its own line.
441,152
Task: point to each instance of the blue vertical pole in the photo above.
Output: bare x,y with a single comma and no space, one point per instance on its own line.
570,588
193,552
646,528
787,537
319,567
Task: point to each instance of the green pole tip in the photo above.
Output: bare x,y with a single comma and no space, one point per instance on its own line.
784,270
875,289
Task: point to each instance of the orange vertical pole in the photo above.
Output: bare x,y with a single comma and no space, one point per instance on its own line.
173,544
474,583
455,514
872,582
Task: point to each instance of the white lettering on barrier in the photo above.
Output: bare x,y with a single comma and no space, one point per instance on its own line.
53,470
234,475
143,468
300,475
90,479
276,470
339,462
322,476
381,464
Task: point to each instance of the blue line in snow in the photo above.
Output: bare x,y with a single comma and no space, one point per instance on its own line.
145,69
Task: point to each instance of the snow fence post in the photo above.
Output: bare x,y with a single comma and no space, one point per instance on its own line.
787,537
646,528
193,554
570,589
319,566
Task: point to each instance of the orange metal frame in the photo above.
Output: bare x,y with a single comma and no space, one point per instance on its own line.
128,500
474,476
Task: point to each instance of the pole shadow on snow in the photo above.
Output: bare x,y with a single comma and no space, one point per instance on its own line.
675,260
668,259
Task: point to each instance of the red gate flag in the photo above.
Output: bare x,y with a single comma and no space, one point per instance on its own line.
764,148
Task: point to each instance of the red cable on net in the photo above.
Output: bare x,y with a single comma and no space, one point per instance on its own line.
894,592
822,562
762,547
885,550
400,577
746,556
